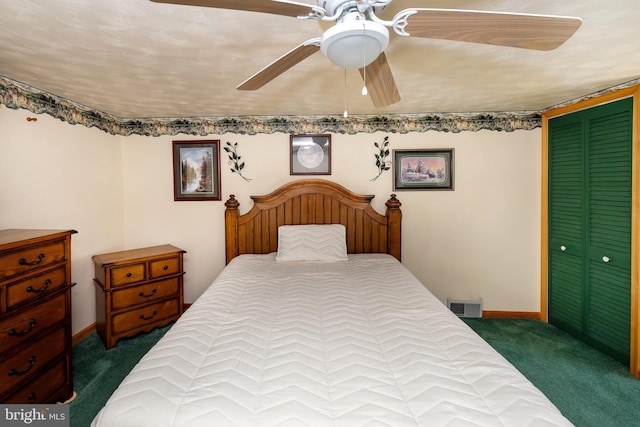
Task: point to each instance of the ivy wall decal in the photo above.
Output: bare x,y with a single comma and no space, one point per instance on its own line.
381,157
235,160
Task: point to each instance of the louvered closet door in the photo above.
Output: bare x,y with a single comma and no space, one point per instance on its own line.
567,274
589,280
609,251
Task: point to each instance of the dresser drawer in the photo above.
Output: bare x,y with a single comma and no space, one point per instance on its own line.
128,274
136,295
165,267
22,326
31,258
21,366
45,388
35,286
146,316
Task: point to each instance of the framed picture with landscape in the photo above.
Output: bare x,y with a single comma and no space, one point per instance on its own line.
428,169
196,170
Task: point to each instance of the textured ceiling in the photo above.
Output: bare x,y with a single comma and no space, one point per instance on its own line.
138,59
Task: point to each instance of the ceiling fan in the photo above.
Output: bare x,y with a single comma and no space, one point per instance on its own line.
359,37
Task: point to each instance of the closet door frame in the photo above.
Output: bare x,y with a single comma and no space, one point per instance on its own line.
634,91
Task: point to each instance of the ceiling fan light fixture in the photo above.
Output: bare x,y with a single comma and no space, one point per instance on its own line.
355,43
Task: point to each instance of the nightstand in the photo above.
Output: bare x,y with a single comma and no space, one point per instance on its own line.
137,290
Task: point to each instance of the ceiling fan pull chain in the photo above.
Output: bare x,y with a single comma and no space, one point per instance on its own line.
345,114
364,60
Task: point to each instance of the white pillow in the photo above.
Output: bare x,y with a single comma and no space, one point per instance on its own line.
314,242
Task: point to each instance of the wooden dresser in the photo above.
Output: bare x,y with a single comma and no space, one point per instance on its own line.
137,290
35,316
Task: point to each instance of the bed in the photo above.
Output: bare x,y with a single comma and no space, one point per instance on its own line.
315,322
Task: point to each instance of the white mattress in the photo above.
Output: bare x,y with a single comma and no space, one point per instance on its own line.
352,343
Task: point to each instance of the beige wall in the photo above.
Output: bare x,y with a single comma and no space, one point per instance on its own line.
56,175
480,241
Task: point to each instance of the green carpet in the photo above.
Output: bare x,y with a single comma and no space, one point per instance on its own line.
98,372
589,388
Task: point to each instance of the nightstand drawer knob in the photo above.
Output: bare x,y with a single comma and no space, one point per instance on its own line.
153,292
142,317
563,248
166,267
129,275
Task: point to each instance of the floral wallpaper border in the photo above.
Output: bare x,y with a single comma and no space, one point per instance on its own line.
16,95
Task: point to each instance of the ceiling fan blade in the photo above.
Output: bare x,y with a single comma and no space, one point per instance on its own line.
537,32
380,83
276,7
280,65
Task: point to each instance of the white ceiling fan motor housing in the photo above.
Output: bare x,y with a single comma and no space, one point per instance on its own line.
354,42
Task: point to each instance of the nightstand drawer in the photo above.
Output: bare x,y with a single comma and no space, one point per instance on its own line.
165,267
31,258
142,294
147,316
23,326
128,274
24,290
25,363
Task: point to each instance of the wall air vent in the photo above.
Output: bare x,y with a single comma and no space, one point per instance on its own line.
465,308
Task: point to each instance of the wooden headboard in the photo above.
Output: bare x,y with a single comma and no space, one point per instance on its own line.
312,201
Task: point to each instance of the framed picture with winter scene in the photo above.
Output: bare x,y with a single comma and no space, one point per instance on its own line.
428,169
196,170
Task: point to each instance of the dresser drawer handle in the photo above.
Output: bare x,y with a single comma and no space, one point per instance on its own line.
129,274
153,292
13,371
149,318
42,289
166,267
23,261
13,332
